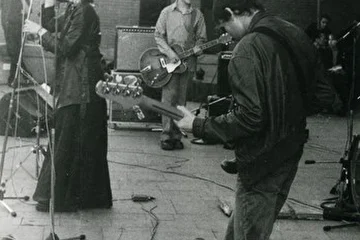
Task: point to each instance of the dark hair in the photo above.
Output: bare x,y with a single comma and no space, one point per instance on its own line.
237,6
326,16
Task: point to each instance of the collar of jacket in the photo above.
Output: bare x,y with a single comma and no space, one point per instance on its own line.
174,7
257,17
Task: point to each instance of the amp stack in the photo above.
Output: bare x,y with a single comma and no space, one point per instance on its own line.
131,42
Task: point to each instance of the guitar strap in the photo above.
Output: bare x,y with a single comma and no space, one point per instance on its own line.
190,29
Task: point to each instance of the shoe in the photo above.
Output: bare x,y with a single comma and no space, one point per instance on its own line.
8,237
229,166
178,144
42,206
201,141
167,145
229,146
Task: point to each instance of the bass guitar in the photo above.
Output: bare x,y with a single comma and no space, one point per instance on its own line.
131,96
156,69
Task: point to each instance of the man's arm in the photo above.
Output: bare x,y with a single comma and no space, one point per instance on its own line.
201,30
25,6
200,34
247,119
160,37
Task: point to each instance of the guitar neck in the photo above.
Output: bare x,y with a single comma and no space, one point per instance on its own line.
202,47
161,108
131,95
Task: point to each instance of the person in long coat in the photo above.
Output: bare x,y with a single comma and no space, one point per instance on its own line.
80,156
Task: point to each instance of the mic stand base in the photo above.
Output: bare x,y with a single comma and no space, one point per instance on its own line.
55,237
329,228
12,212
2,194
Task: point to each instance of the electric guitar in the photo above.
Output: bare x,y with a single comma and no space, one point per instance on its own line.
156,69
131,96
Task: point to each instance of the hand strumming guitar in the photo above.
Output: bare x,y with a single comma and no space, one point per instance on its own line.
173,57
186,123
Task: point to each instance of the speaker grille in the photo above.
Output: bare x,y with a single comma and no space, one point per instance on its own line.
131,42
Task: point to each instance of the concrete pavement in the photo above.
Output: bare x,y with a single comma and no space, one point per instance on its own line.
187,186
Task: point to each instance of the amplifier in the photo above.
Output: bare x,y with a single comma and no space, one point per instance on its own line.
29,103
217,106
131,42
39,63
223,87
127,117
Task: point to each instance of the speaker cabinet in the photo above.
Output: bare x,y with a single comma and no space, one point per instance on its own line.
39,63
126,117
131,42
27,104
223,87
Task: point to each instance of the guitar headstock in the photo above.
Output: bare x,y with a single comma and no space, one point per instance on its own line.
127,95
225,39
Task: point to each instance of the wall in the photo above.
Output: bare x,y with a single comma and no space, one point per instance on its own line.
300,12
118,12
113,13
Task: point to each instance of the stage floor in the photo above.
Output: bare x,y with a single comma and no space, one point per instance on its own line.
187,186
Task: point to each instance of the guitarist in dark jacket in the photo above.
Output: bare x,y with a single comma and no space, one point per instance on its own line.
267,125
179,23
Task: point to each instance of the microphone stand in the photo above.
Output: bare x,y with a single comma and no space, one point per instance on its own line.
6,135
53,235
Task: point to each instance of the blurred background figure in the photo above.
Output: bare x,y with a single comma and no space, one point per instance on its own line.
323,26
13,12
323,39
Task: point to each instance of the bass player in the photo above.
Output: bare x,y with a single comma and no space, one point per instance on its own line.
179,23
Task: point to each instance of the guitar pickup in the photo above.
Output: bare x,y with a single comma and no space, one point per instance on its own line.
139,113
162,62
146,69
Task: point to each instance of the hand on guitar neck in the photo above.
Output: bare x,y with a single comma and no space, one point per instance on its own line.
186,123
197,51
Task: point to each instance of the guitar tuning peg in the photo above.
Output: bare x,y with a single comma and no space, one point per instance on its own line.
127,91
137,83
116,90
108,77
106,88
137,92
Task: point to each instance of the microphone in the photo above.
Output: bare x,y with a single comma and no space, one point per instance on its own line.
313,162
357,24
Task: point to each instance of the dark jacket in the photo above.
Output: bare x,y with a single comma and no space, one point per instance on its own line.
78,55
268,123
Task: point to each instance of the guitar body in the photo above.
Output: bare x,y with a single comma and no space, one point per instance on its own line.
156,68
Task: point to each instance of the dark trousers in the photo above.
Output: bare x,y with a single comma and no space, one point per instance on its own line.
80,159
174,93
256,208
